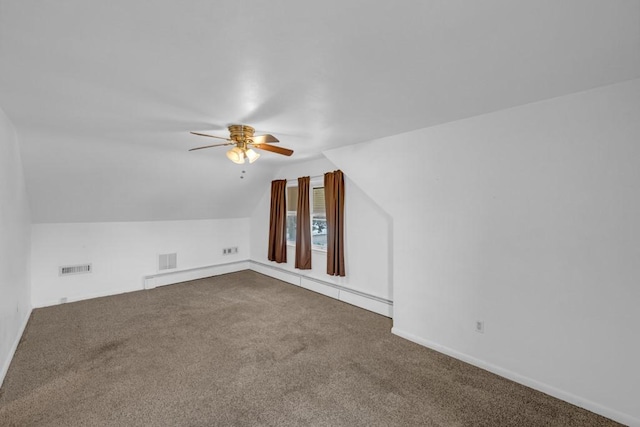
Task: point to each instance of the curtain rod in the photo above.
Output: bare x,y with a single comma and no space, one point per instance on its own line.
311,177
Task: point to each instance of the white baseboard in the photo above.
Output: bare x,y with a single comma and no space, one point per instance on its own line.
351,296
178,276
14,347
529,382
275,272
110,292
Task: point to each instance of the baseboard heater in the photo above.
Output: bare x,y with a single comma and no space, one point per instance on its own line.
360,299
177,276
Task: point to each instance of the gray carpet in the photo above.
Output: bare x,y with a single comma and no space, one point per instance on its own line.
245,349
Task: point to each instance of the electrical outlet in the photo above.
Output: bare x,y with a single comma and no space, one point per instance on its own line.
229,251
480,326
63,300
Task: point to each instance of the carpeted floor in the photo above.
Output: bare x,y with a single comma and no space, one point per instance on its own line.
244,349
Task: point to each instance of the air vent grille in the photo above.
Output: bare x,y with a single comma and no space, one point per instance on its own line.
74,269
167,261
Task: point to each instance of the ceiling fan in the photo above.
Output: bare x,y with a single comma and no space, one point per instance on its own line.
244,140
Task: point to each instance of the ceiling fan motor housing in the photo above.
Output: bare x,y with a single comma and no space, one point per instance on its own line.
241,133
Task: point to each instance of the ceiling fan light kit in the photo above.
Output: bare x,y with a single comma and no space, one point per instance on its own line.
236,155
251,155
242,136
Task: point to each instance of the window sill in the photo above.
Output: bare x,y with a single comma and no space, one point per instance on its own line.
293,245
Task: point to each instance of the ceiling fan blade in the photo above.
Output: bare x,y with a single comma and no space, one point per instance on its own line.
274,149
210,136
209,146
261,139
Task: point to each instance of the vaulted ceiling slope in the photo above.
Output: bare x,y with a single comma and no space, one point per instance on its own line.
103,93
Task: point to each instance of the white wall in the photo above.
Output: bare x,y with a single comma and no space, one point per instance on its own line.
367,237
15,229
122,253
528,219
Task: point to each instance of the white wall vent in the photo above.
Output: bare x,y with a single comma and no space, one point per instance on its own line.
74,269
167,261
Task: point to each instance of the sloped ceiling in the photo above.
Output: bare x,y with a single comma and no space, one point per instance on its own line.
104,93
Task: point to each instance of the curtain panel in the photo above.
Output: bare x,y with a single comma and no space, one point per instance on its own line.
303,225
278,222
334,203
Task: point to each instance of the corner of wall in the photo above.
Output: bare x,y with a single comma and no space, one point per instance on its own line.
15,245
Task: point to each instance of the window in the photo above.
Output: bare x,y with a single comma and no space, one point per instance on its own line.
318,217
292,212
318,220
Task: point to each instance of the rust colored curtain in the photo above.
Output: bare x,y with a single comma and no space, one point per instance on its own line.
303,226
278,222
334,203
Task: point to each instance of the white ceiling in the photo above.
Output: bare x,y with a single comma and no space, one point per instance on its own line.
104,93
